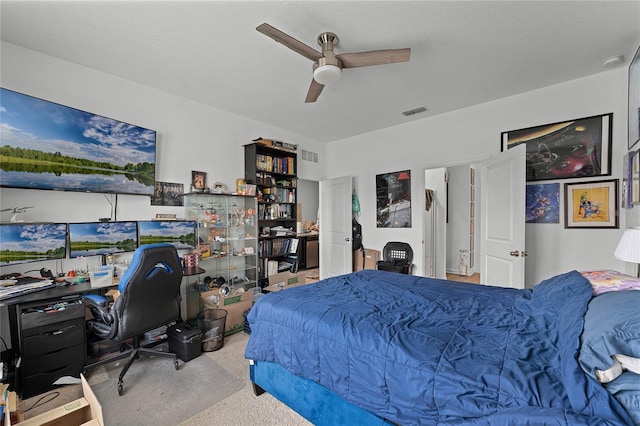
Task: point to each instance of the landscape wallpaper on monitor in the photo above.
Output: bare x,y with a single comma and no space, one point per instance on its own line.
99,238
180,234
32,242
44,145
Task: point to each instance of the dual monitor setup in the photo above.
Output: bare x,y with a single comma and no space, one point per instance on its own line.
32,242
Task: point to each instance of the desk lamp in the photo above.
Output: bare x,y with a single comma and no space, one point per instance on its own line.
628,248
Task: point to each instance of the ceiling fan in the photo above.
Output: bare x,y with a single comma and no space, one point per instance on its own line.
15,211
327,66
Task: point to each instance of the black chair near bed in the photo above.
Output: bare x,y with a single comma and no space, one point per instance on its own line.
396,257
149,298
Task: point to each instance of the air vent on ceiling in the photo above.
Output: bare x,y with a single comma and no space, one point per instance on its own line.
309,156
414,111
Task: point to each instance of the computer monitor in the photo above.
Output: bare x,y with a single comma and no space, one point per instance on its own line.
32,242
102,238
179,233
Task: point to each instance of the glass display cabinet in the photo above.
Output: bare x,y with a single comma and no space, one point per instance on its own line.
226,240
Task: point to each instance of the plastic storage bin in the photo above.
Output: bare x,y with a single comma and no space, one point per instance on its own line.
184,341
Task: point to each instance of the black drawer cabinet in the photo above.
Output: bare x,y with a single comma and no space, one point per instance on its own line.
52,344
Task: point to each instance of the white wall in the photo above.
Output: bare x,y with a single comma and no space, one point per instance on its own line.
191,136
470,134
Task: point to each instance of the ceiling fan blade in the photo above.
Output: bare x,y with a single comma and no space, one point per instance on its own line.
314,91
290,42
374,57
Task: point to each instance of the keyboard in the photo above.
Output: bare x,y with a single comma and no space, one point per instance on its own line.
28,285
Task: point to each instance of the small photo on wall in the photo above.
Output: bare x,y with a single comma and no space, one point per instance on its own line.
198,180
543,203
168,194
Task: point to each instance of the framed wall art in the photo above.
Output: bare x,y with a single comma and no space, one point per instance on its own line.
635,178
631,179
168,194
543,203
393,200
569,149
591,204
634,100
626,200
198,181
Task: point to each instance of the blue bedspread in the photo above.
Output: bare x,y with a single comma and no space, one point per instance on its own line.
415,350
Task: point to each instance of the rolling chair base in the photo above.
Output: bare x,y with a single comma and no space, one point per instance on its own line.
132,354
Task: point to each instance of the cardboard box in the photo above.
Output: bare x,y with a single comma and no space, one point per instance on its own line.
365,259
235,305
371,258
284,280
82,411
114,294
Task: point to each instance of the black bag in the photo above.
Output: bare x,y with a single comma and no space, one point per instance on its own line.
356,230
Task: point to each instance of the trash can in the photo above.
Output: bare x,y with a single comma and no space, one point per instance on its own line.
212,323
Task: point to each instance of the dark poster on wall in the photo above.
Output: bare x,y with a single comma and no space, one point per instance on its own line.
168,194
393,196
571,149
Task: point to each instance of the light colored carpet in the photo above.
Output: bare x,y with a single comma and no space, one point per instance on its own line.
156,393
239,408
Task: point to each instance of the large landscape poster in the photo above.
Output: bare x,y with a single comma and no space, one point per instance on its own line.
44,145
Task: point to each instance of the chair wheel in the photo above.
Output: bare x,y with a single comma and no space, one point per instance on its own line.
120,389
176,364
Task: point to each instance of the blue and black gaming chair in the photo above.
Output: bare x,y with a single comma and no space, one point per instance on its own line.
149,298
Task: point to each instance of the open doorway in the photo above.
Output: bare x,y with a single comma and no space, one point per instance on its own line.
308,249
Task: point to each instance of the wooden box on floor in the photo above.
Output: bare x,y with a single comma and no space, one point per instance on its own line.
84,411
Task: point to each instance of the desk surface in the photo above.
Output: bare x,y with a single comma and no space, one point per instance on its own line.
57,292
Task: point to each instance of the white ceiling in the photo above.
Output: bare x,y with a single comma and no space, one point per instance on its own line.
462,52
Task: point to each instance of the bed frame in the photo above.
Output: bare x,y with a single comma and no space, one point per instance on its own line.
312,401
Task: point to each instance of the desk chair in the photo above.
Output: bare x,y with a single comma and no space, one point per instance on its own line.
149,298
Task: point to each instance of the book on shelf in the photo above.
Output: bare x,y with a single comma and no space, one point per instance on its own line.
272,267
294,246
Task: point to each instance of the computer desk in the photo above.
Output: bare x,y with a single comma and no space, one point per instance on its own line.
52,344
57,293
49,343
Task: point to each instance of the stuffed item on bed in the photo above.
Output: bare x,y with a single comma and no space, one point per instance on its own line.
415,350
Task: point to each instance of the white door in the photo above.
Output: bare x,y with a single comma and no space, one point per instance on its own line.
503,215
435,227
336,254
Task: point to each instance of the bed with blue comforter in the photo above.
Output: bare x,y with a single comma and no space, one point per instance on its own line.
410,350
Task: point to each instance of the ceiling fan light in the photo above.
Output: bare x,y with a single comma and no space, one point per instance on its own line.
327,74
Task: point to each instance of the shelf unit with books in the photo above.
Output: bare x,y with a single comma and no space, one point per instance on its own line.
273,170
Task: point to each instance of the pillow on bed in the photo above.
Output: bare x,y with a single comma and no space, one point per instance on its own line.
626,389
611,327
606,280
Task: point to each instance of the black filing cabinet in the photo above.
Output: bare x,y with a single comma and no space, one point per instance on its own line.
52,343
